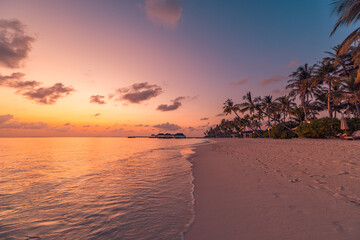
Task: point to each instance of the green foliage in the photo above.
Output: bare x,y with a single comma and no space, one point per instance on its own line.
280,132
319,128
354,124
257,134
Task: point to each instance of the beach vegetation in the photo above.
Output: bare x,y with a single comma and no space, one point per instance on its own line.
319,128
279,132
353,124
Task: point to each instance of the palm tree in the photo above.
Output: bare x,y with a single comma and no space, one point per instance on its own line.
250,105
342,62
253,106
297,114
286,104
300,85
326,72
267,105
349,91
229,107
348,12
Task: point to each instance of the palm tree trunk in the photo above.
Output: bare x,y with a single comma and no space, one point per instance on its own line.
357,108
304,108
284,120
329,99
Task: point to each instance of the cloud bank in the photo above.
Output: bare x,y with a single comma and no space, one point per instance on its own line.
138,92
176,103
15,44
7,121
166,13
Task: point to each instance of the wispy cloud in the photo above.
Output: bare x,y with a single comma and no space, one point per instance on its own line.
240,82
166,13
167,126
220,115
97,114
204,119
32,91
292,64
278,91
176,103
271,80
15,44
97,99
138,92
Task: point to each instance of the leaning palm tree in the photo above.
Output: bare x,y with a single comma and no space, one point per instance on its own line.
253,106
229,107
348,12
300,85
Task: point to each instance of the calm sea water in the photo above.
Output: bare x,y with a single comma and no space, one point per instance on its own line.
95,188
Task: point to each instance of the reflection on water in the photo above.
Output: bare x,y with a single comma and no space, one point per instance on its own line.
91,188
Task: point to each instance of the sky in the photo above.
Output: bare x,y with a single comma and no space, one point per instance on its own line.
137,67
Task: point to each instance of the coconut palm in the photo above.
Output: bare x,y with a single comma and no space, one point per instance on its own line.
343,62
254,106
267,105
349,92
229,107
297,114
325,72
300,85
348,12
250,105
286,104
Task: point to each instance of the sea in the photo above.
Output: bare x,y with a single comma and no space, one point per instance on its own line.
96,188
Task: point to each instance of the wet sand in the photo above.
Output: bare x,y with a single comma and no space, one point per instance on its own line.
277,189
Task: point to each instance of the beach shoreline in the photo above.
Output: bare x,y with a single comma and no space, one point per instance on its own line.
276,189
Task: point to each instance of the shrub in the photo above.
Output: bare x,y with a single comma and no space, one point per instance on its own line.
280,132
354,124
319,128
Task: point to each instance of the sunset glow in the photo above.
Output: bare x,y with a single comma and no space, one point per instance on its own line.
109,68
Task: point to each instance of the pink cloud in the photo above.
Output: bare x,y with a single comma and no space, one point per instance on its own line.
240,82
163,12
292,64
273,79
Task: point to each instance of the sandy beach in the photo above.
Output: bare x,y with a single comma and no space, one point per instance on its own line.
277,189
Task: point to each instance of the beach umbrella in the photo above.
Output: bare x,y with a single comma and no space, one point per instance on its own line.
344,125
